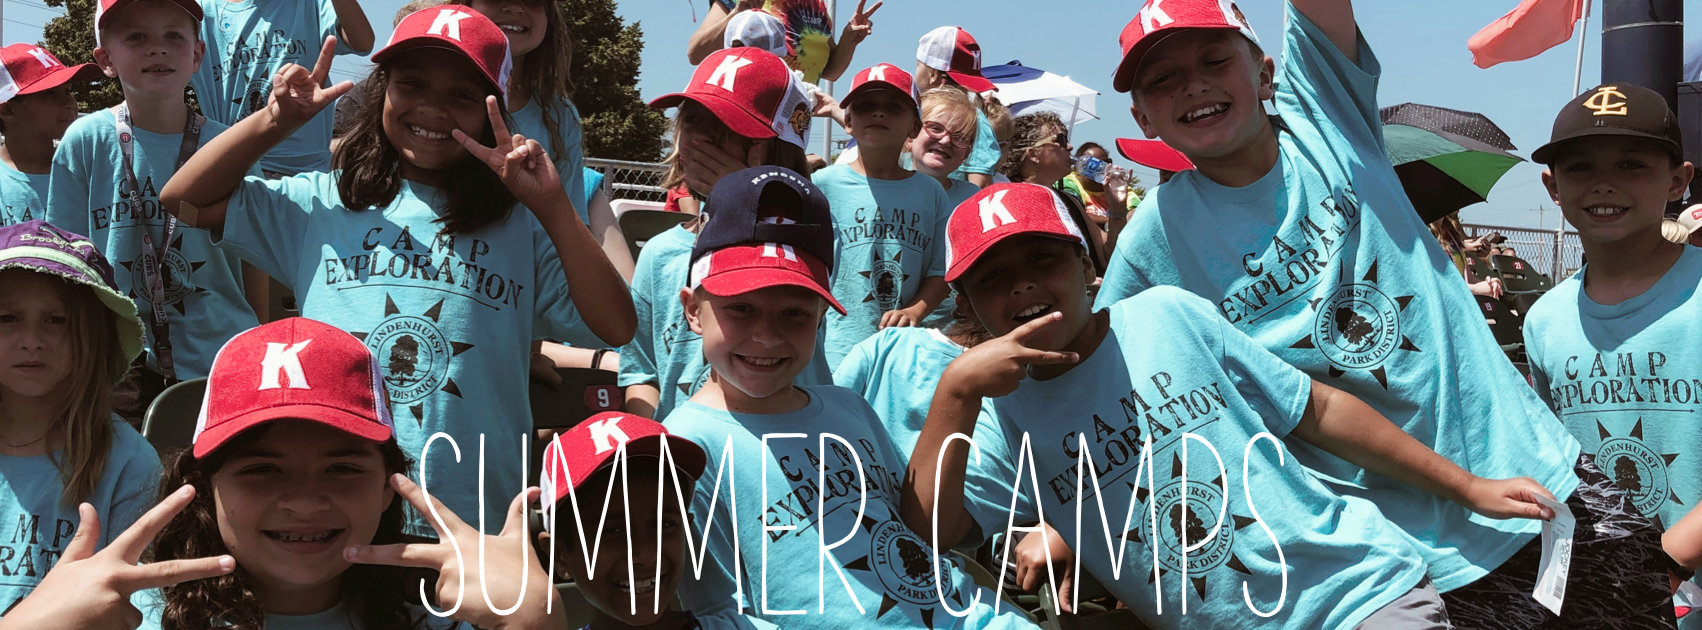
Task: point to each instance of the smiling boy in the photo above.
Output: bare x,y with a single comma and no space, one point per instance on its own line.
1609,347
811,537
36,106
107,174
1297,230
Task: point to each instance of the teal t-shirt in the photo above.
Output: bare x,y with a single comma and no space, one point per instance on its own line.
664,349
23,196
1325,263
569,158
450,316
1626,382
1168,368
38,525
959,192
247,43
593,183
890,237
791,485
151,603
205,304
984,156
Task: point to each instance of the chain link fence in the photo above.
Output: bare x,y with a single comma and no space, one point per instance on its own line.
1555,252
639,181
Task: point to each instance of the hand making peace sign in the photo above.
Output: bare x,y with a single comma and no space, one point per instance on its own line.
859,26
997,367
299,94
521,163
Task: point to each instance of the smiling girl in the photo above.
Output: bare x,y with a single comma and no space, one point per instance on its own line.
416,246
66,335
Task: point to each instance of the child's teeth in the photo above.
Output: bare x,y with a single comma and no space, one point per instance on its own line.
432,135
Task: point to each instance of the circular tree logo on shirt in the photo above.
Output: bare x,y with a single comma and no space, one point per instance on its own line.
1358,327
254,96
905,564
886,279
1635,468
1193,525
415,355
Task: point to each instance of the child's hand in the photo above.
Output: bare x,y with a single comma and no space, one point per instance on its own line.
996,368
462,578
899,318
1030,558
859,27
88,590
1507,498
521,163
703,164
297,95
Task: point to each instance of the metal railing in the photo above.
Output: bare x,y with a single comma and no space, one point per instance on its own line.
1557,252
641,181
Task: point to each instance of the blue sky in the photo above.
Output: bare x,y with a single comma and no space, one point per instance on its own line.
1422,46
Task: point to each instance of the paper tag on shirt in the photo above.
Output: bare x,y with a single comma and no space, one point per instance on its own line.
1556,556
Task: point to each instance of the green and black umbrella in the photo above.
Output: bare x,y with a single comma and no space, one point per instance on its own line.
1446,159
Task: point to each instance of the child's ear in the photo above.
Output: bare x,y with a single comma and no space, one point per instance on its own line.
1553,186
200,53
1267,79
104,60
915,128
7,115
1141,118
1681,181
688,300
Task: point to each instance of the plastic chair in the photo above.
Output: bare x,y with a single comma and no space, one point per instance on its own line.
1506,326
1480,269
640,226
1518,276
169,423
584,392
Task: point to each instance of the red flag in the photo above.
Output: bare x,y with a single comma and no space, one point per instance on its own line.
1526,31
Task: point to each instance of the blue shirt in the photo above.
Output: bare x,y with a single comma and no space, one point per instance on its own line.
151,602
1167,367
984,156
887,568
1325,263
959,192
205,304
1626,382
23,196
891,236
593,183
568,155
450,316
665,349
38,524
247,43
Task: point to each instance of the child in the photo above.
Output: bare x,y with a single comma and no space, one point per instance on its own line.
36,107
889,219
417,246
1020,264
250,41
539,86
948,133
645,517
1097,197
107,174
66,335
757,293
949,56
1602,343
742,108
757,29
1324,262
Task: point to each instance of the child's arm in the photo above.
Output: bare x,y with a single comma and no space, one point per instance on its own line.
856,29
1344,425
1335,19
989,370
207,180
642,399
928,297
353,29
596,289
711,32
1683,541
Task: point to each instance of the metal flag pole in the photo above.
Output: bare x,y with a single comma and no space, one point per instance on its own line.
1583,34
827,88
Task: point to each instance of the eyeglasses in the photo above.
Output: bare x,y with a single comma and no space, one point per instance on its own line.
1061,140
939,132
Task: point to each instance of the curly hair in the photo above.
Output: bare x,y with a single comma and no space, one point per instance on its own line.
1029,130
375,593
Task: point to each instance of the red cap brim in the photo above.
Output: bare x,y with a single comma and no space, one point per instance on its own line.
1124,78
878,85
414,43
191,6
685,454
731,114
62,76
967,261
365,428
1153,154
740,281
973,82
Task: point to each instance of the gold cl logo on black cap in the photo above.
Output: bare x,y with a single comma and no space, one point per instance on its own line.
1608,101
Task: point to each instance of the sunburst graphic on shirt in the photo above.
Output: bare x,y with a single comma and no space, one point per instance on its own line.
904,565
415,354
886,279
176,276
1358,327
1188,516
1639,470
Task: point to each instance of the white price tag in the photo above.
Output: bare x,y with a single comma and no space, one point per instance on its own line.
1556,556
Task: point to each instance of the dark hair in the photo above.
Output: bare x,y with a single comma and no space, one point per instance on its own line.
1085,146
1029,130
368,177
375,593
546,75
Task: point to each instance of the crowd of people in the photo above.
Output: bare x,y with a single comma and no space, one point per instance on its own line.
1251,396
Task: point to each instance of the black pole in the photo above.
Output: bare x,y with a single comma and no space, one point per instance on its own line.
1643,44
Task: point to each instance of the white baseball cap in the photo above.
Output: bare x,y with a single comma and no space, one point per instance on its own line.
757,29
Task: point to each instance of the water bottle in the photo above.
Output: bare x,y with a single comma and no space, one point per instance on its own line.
1096,169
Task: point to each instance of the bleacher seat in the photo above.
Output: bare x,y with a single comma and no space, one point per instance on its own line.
169,423
1518,276
639,226
1505,325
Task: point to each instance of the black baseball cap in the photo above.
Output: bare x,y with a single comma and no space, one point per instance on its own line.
735,210
1614,109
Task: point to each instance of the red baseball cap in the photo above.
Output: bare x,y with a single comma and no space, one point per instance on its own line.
883,76
30,69
751,91
1159,19
293,369
590,447
742,269
999,212
952,50
105,8
1153,154
457,28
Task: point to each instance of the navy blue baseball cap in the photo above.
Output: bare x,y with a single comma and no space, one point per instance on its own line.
767,226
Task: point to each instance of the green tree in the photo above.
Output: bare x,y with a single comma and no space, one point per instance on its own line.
606,51
71,38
